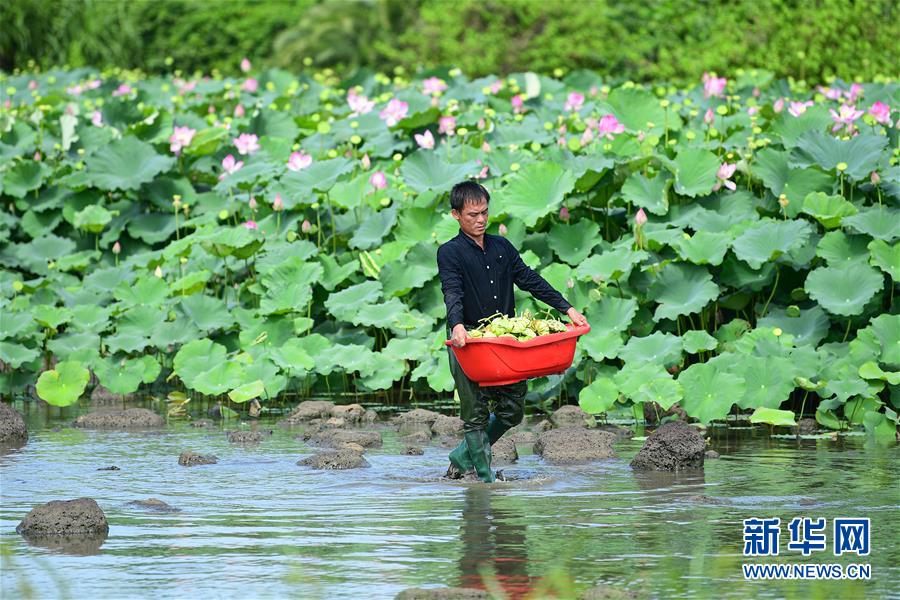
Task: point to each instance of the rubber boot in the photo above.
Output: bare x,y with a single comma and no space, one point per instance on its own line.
495,429
480,454
460,461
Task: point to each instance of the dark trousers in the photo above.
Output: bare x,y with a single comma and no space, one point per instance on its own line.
476,403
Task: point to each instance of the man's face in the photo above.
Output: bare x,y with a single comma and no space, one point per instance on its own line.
472,218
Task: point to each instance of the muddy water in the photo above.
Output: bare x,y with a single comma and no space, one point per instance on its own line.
257,525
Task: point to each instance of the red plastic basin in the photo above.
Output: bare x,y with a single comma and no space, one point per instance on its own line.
504,360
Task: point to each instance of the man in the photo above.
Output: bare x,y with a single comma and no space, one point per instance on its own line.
477,272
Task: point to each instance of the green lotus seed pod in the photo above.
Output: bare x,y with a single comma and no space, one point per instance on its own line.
792,311
291,236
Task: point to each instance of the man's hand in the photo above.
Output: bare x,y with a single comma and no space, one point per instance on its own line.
459,334
576,317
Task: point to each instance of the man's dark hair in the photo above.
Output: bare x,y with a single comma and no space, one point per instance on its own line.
467,192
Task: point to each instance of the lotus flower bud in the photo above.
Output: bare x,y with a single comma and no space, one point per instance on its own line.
158,272
37,156
640,218
305,226
253,203
485,147
117,247
277,205
875,178
564,213
502,229
708,117
783,201
239,111
365,162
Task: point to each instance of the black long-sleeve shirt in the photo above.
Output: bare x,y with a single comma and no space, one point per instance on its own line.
478,283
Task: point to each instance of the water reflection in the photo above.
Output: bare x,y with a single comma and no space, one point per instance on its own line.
494,545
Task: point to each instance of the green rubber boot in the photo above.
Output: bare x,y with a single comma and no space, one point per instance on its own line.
460,461
480,454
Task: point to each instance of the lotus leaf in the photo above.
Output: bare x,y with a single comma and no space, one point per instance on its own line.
827,210
125,164
768,239
599,396
696,341
537,190
881,222
709,391
247,391
772,416
658,348
695,171
682,290
845,289
64,384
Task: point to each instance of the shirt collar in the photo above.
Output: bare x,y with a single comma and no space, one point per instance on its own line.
466,239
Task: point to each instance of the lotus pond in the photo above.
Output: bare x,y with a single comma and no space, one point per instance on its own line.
259,525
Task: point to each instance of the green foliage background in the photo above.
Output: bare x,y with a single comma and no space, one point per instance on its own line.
669,40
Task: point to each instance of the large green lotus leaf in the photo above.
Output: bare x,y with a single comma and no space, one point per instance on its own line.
247,391
703,248
649,193
768,381
536,190
298,186
862,154
682,290
334,273
827,210
23,177
845,289
236,241
197,357
44,249
414,271
809,327
886,257
633,375
881,222
146,290
288,286
152,227
871,370
347,194
35,224
709,391
382,315
293,356
274,123
347,302
173,333
424,171
529,130
127,342
406,348
611,264
263,369
638,110
63,385
881,427
768,239
695,341
657,348
51,316
151,367
598,397
120,375
373,228
126,164
837,248
772,416
319,348
141,320
192,283
791,128
206,312
385,371
15,355
739,275
772,167
695,171
662,390
573,243
416,225
612,314
271,332
219,379
887,331
92,218
600,344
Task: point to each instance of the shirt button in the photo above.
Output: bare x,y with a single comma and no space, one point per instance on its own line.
492,281
489,266
495,297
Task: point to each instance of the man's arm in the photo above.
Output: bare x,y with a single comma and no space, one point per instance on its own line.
451,286
528,280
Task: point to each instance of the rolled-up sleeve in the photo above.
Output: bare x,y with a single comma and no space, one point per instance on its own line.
451,285
526,279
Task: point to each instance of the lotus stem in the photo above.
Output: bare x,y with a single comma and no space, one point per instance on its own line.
802,408
772,295
847,332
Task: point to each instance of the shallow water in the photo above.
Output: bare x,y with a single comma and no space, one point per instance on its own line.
257,525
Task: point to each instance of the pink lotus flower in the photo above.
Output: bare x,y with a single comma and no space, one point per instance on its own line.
305,226
247,144
360,105
587,137
73,90
485,147
93,84
517,103
609,125
798,108
97,119
123,90
709,117
32,85
713,86
845,118
778,105
881,113
37,156
250,85
855,92
185,86
574,102
875,178
299,161
378,180
181,138
394,112
433,85
230,166
245,65
425,140
502,229
251,224
252,203
640,217
210,110
239,111
496,86
447,125
752,110
725,171
277,204
481,124
594,91
561,141
483,173
756,92
366,162
831,93
117,248
564,214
